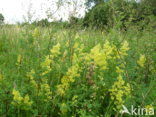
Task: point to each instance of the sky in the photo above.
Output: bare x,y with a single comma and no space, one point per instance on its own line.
15,10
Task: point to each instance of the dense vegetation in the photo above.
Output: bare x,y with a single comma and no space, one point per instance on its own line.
121,13
61,69
59,72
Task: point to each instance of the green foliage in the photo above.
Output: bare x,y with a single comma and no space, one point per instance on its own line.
120,14
43,23
52,71
97,16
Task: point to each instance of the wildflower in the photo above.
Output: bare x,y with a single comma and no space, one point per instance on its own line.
46,64
108,49
98,57
67,79
149,107
17,98
30,75
118,91
55,51
102,55
74,100
63,108
45,92
26,101
19,60
36,33
141,61
119,70
124,48
60,90
19,101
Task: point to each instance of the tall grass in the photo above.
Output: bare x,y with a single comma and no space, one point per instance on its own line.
60,72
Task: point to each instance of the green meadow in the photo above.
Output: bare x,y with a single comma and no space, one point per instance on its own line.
51,72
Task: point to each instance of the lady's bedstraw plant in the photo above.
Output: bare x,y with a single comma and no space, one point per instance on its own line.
100,55
24,103
19,60
32,81
36,33
45,92
123,49
67,79
119,91
46,64
141,61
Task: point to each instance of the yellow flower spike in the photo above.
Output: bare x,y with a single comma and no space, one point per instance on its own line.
45,91
124,48
107,48
60,90
17,98
26,101
118,91
36,33
118,70
67,79
55,50
19,60
98,57
46,64
30,75
148,107
141,61
63,108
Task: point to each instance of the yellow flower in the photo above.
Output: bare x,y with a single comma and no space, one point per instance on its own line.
19,101
124,48
26,101
60,90
98,57
118,91
67,79
46,92
19,60
108,49
63,108
55,51
141,61
119,70
36,33
148,107
30,75
17,98
46,64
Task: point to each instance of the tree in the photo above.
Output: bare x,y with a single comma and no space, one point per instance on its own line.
1,18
